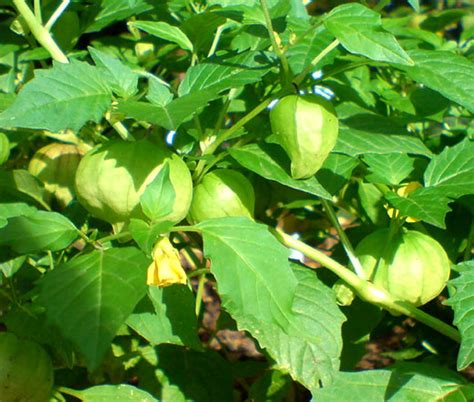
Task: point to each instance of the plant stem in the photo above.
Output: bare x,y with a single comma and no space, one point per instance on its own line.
366,290
215,42
200,290
113,237
276,48
57,13
344,240
228,133
39,32
300,77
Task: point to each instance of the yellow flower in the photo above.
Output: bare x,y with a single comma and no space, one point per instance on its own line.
166,269
403,191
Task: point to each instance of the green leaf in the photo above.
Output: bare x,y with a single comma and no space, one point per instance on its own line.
110,11
354,142
272,386
298,323
429,204
225,72
21,185
444,72
90,297
462,303
308,47
146,234
452,171
359,29
164,31
388,168
120,77
158,198
167,316
336,171
251,268
66,96
38,231
158,93
107,393
9,210
404,382
271,162
205,377
372,202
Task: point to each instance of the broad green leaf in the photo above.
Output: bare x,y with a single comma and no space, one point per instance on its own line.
453,170
415,382
462,302
66,96
158,93
90,297
165,31
108,393
354,142
202,84
110,11
9,210
429,204
308,47
158,198
11,266
336,171
225,72
359,29
372,202
200,376
270,162
388,168
171,115
201,29
167,316
272,386
121,78
251,268
146,234
21,185
298,323
444,72
38,231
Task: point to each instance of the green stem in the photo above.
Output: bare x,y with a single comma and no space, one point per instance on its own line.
366,290
200,290
57,13
39,32
215,42
276,48
344,240
300,77
120,128
198,272
114,237
228,133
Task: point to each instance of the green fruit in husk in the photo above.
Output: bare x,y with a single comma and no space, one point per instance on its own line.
55,165
411,266
26,371
222,192
4,148
307,129
111,178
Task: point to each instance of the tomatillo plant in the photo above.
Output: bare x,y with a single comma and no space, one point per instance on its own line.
260,191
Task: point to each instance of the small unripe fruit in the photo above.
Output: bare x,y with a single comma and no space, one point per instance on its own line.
222,192
55,165
307,129
26,371
111,178
411,266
